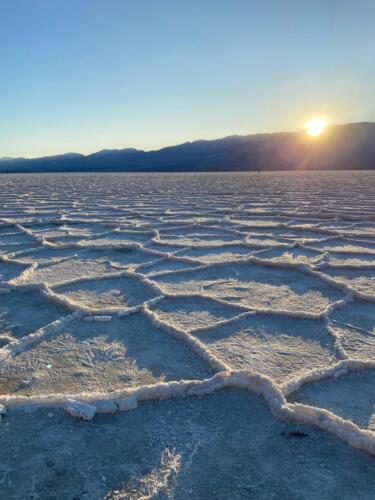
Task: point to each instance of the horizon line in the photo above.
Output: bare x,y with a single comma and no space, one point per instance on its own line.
141,150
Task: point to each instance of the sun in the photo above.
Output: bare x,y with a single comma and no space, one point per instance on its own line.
316,126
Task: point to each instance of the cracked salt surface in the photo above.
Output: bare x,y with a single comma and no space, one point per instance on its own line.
272,345
121,290
95,356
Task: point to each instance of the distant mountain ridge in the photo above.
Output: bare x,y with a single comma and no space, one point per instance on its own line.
340,147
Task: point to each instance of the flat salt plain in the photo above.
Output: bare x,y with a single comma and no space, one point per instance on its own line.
234,313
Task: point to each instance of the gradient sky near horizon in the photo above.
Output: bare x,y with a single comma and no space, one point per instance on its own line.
82,75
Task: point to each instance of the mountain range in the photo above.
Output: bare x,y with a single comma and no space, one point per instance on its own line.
340,147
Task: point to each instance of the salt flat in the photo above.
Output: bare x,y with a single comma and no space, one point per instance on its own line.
221,327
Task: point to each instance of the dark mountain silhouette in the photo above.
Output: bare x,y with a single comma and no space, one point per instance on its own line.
340,147
9,158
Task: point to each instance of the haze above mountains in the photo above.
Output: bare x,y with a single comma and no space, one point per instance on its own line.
340,147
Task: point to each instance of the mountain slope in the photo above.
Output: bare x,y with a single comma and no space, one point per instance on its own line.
350,146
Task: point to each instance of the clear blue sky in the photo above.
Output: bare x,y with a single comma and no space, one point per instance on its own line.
82,75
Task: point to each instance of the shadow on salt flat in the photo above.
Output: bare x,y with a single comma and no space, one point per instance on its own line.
226,445
350,396
10,249
16,239
6,228
8,270
24,311
102,357
277,346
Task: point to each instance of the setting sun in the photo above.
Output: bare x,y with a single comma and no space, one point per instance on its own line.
316,126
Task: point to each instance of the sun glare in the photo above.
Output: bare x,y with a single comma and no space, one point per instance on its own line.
316,126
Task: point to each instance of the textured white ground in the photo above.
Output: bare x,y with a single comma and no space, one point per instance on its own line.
234,313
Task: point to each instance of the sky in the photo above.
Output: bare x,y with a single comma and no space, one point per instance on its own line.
83,75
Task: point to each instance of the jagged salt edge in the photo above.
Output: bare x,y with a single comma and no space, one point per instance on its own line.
325,420
222,322
20,345
341,352
24,276
259,384
342,367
